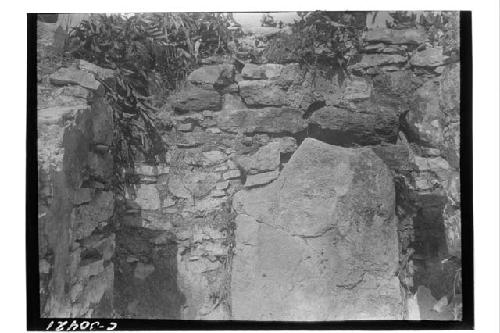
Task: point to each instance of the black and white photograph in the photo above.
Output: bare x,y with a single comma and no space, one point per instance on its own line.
293,167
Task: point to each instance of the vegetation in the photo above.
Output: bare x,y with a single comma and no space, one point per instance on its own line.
331,40
325,40
145,49
442,27
167,43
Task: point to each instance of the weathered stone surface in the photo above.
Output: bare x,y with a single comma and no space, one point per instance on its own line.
99,72
253,72
212,75
213,157
192,184
43,266
376,60
265,120
378,20
95,289
55,115
217,193
397,157
267,158
434,116
102,125
89,269
382,48
196,99
74,166
205,205
232,102
101,166
104,245
231,174
449,89
83,195
86,218
222,185
200,183
176,187
425,117
437,165
67,75
453,224
357,89
260,72
390,36
287,85
145,170
262,93
287,144
207,113
316,244
194,284
148,197
290,74
338,126
452,216
188,127
261,178
190,118
430,57
71,95
274,71
400,84
214,130
148,219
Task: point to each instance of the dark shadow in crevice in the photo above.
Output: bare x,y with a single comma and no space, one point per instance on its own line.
343,138
432,267
312,108
157,295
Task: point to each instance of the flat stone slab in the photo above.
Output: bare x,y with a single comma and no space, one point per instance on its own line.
67,75
431,57
195,99
320,242
369,124
266,120
213,74
376,60
267,158
390,36
261,178
54,115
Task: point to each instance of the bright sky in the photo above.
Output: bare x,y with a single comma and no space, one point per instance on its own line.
250,20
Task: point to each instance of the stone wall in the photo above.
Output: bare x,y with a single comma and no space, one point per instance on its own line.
284,193
76,201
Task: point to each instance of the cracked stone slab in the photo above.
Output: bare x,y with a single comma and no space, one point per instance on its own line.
76,77
261,178
267,158
392,36
320,242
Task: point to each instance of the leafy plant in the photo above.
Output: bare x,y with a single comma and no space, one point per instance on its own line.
162,47
326,40
441,26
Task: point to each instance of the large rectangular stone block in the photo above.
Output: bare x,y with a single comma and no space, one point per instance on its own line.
319,243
